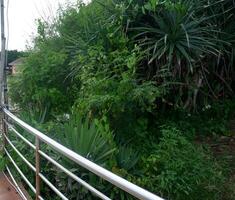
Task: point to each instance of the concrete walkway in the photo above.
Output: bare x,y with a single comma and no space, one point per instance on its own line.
7,191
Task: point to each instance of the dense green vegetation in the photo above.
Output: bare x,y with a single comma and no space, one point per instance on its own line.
12,55
131,85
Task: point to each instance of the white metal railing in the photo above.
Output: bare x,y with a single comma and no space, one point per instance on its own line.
115,180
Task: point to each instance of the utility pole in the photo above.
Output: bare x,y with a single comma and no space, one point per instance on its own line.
3,54
3,97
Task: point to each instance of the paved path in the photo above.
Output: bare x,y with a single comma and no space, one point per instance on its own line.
7,192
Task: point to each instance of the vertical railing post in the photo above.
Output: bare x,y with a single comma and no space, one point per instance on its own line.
37,162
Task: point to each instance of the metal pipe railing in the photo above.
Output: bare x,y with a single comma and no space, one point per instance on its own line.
121,183
19,135
63,169
41,176
74,177
59,166
15,184
20,155
37,166
20,172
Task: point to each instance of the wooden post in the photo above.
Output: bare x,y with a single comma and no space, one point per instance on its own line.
37,161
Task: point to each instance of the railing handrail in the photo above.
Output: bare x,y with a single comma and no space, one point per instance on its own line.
116,180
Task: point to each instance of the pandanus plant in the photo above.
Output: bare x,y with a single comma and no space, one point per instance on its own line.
187,47
85,138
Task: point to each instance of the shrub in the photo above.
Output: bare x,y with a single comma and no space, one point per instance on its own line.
91,140
83,137
211,120
177,169
131,61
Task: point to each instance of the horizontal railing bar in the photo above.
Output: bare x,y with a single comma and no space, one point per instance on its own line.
116,180
23,158
15,183
52,187
76,178
19,135
20,172
26,141
86,185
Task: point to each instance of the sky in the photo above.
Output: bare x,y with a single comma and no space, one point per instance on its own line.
21,17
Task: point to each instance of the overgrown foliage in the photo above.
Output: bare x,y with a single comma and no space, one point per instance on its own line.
130,84
179,170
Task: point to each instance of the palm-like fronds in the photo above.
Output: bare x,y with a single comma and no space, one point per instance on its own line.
82,137
127,157
176,37
190,39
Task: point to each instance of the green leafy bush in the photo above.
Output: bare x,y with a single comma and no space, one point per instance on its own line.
177,169
179,39
127,68
84,138
211,120
90,140
126,157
